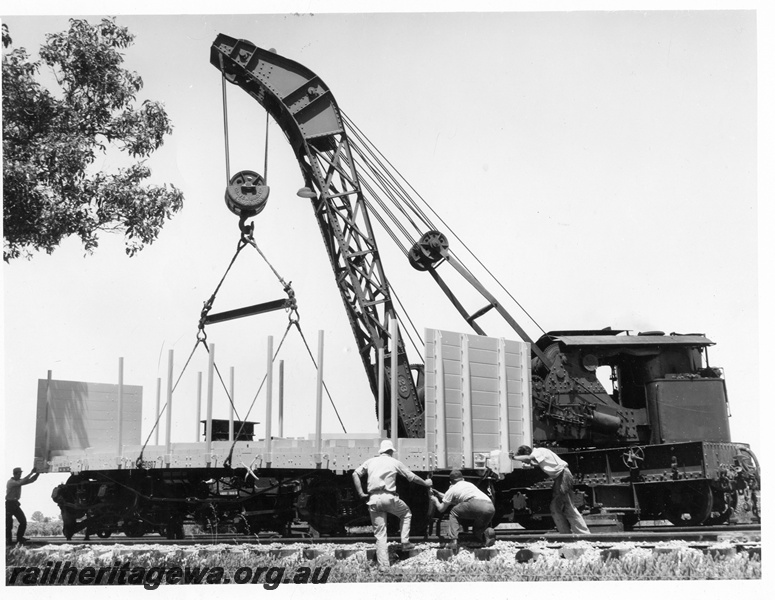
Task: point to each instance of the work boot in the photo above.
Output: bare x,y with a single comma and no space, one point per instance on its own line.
489,537
23,540
407,546
452,545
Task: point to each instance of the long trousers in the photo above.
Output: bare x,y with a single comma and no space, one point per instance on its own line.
566,517
477,510
14,509
380,505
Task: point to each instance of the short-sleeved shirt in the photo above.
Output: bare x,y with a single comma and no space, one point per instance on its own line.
549,462
462,491
13,489
382,471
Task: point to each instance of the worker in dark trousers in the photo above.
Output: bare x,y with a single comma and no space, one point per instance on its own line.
381,474
470,503
566,517
13,507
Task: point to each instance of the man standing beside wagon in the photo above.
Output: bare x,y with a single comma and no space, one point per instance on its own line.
566,516
13,508
382,498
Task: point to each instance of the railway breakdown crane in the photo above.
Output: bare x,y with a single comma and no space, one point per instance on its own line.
642,419
665,408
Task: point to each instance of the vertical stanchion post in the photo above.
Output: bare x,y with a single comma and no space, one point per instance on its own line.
281,396
466,396
198,405
46,451
209,418
158,408
231,404
319,405
381,390
394,383
268,426
503,399
120,441
441,402
170,374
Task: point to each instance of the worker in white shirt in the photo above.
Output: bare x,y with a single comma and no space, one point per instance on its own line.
382,497
470,503
566,517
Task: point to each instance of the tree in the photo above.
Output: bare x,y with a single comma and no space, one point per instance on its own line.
51,140
38,517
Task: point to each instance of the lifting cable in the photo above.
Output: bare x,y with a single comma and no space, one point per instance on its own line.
371,181
385,227
377,176
246,238
420,212
301,333
266,150
227,461
379,157
225,128
408,318
139,460
201,338
392,216
293,320
409,199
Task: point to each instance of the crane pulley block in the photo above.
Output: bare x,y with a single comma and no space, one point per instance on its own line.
429,250
246,194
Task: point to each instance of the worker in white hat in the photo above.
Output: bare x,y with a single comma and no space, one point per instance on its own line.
382,497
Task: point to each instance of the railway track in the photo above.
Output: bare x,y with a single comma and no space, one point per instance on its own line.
646,536
518,555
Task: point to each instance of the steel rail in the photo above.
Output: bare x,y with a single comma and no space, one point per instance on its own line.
740,534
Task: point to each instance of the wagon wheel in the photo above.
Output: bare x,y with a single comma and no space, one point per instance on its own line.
133,529
689,505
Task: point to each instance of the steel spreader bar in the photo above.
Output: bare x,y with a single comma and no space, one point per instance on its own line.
248,311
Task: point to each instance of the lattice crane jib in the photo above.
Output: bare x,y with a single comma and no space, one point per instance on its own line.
306,111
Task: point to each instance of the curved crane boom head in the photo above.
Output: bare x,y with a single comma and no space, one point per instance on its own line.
297,98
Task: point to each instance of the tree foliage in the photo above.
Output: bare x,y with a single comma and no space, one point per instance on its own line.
52,139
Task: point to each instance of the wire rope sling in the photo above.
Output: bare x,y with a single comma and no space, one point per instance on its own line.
246,196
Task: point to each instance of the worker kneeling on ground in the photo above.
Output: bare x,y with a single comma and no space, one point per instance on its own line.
566,517
383,499
469,503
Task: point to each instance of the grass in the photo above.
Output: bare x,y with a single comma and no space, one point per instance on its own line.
638,564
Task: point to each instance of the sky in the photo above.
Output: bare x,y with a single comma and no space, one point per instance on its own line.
604,165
